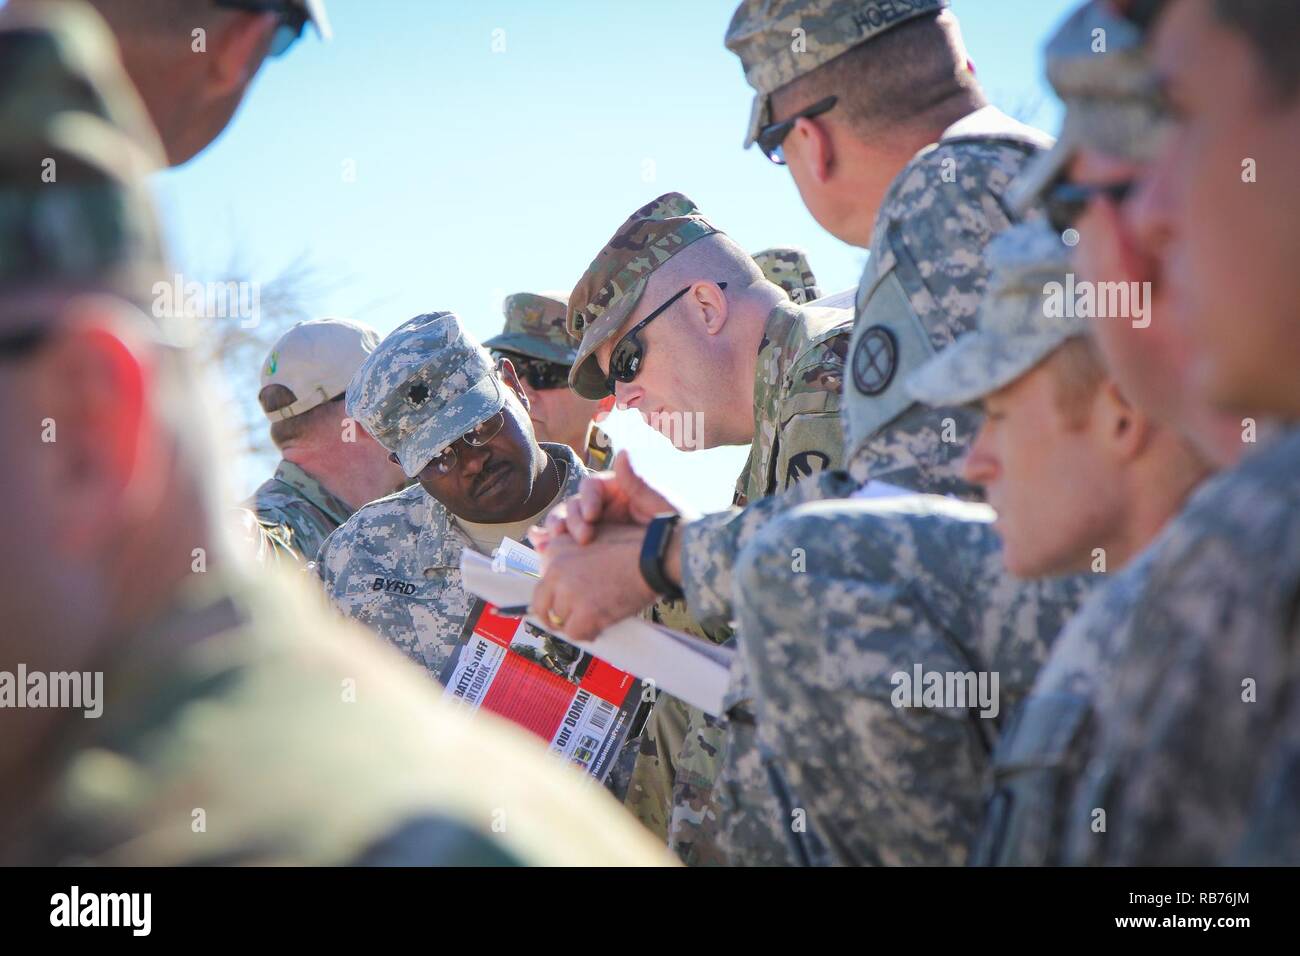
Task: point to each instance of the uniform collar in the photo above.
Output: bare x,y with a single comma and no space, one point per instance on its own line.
311,489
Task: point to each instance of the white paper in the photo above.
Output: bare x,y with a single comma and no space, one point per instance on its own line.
685,666
511,555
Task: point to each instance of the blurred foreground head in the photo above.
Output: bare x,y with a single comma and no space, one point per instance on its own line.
192,61
101,482
1116,123
1220,200
220,698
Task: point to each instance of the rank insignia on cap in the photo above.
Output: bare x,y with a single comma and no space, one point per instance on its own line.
875,359
418,394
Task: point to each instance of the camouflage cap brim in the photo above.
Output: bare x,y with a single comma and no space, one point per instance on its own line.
1019,324
1029,188
585,377
978,364
778,41
533,347
1129,129
470,408
760,115
613,284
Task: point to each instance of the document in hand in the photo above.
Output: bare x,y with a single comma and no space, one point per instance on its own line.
580,705
685,666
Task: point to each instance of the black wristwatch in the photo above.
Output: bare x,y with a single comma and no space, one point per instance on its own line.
653,549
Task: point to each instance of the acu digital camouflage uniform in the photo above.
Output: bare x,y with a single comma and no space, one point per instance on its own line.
536,326
1042,755
239,725
1044,749
789,269
1195,760
1153,752
797,432
395,567
885,585
923,283
395,564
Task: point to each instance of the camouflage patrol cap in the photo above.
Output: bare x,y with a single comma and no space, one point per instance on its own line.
1097,64
537,326
616,279
76,148
1016,328
425,385
789,268
764,34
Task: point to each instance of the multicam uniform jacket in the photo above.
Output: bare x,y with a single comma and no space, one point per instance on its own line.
296,502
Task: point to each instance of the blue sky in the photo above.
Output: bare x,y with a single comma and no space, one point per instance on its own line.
421,167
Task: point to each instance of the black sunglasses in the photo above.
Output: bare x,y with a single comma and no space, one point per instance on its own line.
771,137
625,361
1065,202
293,19
538,373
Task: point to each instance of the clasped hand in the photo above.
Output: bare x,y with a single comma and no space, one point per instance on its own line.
590,545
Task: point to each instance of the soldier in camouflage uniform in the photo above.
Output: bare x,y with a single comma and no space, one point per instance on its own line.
328,467
237,724
920,290
1090,496
786,404
536,341
431,395
395,564
922,285
1039,761
789,268
1196,760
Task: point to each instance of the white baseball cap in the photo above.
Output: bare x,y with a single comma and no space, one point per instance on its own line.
316,360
